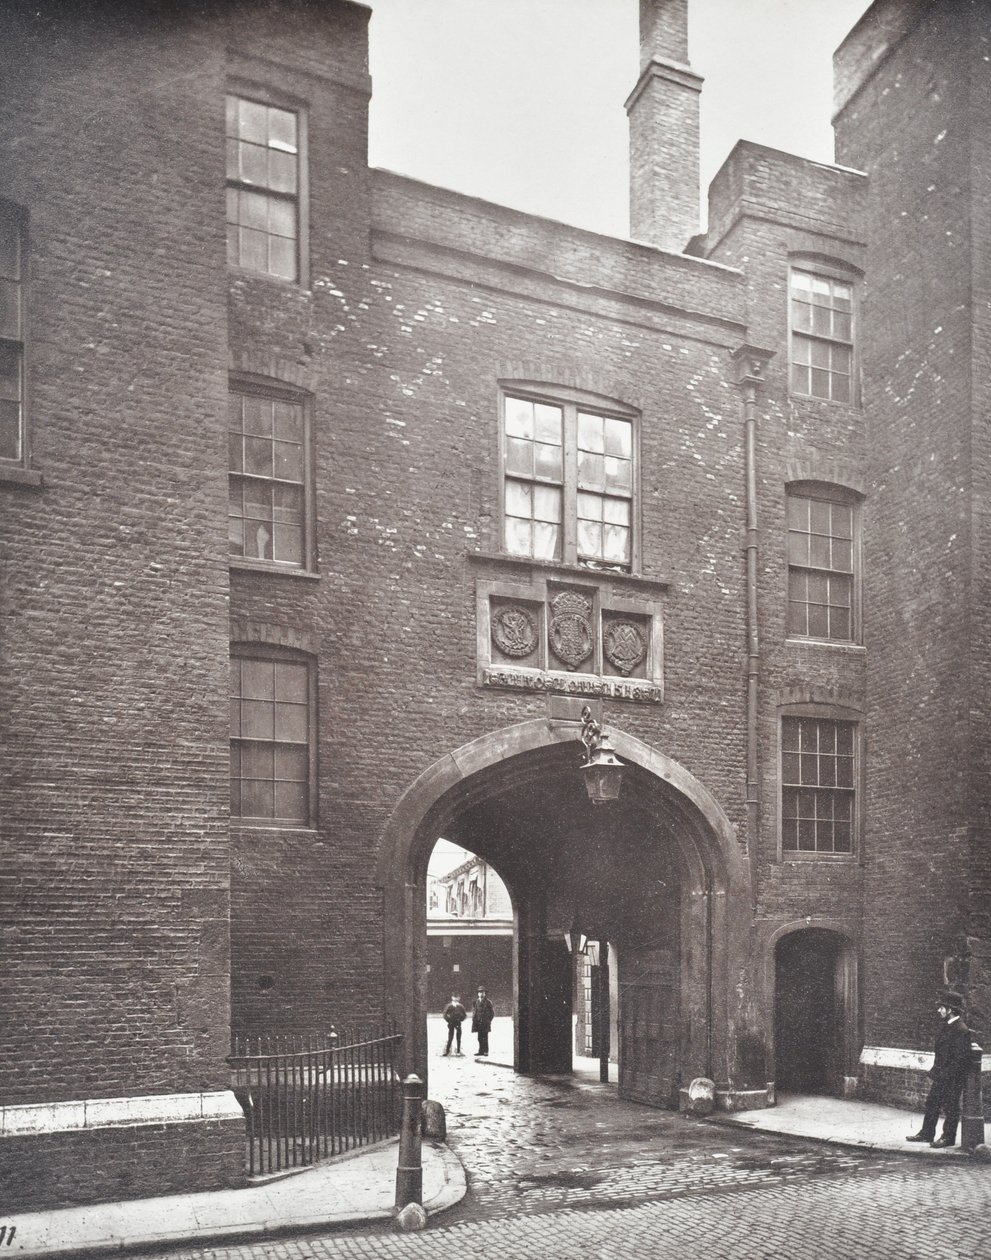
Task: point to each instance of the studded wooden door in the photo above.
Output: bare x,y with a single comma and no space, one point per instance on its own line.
648,1026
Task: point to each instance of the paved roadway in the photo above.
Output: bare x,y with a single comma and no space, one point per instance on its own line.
560,1169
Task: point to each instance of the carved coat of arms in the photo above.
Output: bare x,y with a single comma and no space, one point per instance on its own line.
571,628
514,631
624,645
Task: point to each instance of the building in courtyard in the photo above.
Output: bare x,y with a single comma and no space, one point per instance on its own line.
469,934
329,499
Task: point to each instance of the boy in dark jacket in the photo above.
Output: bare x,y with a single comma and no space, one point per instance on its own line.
454,1015
482,1015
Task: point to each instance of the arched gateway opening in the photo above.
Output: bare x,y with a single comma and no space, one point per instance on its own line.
657,874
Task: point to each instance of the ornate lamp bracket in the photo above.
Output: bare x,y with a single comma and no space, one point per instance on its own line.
601,768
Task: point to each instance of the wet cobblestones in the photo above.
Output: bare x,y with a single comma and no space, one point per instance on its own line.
533,1146
561,1169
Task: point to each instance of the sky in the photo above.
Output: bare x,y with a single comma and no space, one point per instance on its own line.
445,857
521,101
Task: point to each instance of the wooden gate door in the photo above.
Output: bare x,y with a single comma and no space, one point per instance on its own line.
648,1026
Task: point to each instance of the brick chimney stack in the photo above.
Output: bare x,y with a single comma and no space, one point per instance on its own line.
663,110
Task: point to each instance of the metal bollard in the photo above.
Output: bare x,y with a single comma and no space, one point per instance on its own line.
972,1120
409,1174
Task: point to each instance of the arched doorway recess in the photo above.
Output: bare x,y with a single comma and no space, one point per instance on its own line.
815,1009
659,874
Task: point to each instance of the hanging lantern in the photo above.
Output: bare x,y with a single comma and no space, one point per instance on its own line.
602,770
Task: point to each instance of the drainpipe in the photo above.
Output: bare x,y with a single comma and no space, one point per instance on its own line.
751,363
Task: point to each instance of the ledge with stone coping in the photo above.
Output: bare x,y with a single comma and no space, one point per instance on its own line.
907,1060
24,1119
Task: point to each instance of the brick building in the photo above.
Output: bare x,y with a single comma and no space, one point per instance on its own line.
409,479
469,935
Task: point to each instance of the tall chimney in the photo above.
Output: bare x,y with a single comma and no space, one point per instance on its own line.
663,110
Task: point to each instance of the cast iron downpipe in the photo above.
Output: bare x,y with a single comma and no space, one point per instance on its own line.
750,365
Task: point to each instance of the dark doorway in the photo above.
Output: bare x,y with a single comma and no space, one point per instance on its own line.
808,1012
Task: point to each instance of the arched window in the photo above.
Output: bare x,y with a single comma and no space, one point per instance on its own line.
823,562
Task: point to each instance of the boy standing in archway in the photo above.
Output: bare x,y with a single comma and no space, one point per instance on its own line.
454,1016
482,1015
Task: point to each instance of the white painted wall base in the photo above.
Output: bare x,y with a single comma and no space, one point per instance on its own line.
102,1113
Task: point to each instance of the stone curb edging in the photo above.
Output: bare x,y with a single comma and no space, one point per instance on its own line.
452,1191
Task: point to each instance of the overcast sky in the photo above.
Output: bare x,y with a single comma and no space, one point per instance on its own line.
521,101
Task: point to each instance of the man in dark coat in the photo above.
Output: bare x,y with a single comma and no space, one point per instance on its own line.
482,1015
454,1016
948,1072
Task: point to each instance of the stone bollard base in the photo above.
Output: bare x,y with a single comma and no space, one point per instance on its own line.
412,1217
434,1121
700,1097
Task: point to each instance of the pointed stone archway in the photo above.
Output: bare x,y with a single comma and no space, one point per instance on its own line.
515,797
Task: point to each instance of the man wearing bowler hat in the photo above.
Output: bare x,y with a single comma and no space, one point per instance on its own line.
948,1072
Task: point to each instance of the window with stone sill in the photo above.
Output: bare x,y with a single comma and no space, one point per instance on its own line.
569,479
270,478
13,274
818,786
272,738
821,317
823,564
264,181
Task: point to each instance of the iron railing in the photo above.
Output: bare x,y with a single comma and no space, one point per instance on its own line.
310,1097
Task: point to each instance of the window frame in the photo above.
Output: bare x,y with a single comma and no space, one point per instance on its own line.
824,269
571,401
824,492
249,385
262,95
822,713
270,653
16,216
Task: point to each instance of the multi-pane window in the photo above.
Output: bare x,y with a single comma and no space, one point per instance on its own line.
821,336
818,796
263,179
270,740
12,276
569,481
268,478
821,551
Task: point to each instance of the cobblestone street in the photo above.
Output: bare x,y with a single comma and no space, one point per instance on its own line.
561,1168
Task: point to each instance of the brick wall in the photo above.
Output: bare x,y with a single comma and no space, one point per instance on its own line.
906,126
110,1165
407,474
766,207
113,582
416,304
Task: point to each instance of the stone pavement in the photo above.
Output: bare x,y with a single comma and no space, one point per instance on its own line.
533,1148
560,1169
337,1194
